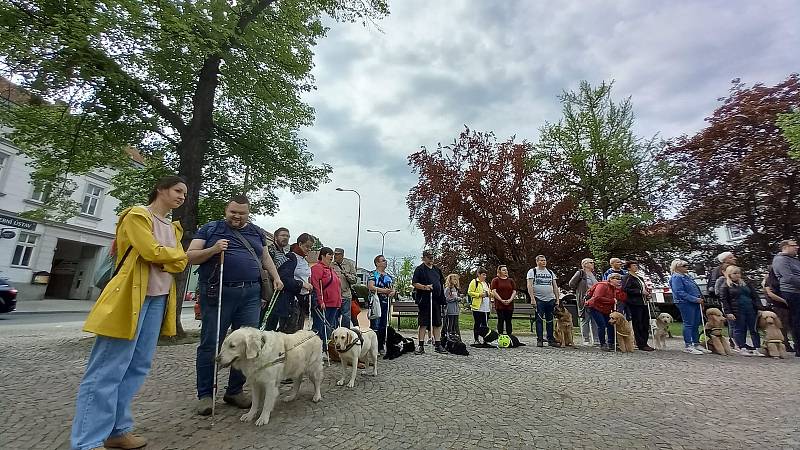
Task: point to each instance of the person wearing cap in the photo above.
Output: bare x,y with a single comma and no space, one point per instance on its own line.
717,278
428,282
346,270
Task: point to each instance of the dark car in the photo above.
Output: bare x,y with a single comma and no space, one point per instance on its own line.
8,296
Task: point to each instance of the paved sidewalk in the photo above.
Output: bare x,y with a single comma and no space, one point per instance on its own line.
51,305
496,398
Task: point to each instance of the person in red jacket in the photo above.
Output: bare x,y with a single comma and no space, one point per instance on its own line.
328,290
604,296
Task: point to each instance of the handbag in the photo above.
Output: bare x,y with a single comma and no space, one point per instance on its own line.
266,281
107,271
374,303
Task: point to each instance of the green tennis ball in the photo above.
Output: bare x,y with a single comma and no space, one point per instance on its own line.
504,341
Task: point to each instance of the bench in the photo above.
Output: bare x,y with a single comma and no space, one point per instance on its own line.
409,309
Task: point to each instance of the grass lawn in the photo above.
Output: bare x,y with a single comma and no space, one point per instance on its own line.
521,326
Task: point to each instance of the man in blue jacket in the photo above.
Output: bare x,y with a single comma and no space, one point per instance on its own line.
787,269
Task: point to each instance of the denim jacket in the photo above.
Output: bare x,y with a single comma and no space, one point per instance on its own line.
684,289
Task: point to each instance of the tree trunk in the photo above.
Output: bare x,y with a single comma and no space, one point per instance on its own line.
194,145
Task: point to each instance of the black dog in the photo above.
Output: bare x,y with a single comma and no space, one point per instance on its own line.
452,343
515,341
396,344
488,336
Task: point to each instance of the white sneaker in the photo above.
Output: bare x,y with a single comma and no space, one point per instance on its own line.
586,343
745,352
702,348
757,353
692,351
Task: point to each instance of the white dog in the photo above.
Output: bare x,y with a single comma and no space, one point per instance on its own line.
660,335
355,345
266,358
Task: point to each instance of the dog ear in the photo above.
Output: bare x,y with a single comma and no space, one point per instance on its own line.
253,345
778,322
349,339
762,321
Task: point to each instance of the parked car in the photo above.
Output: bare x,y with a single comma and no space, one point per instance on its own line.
8,296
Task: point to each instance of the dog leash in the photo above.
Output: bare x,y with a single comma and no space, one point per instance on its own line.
269,309
282,356
360,340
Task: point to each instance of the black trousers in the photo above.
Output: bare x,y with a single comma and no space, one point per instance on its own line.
480,322
641,324
504,321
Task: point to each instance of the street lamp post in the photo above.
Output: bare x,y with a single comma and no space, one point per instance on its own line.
383,236
358,223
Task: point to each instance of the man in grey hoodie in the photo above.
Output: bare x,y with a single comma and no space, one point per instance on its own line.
787,269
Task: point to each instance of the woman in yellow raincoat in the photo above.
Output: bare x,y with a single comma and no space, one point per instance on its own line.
137,303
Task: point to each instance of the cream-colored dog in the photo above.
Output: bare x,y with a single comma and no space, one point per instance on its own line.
662,330
355,345
266,358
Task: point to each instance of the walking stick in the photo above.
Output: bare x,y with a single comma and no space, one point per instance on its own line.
324,325
216,337
649,318
580,319
703,321
430,325
615,328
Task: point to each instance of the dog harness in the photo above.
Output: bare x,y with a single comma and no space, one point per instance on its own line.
360,340
282,356
714,332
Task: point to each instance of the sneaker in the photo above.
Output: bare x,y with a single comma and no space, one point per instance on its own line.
702,349
420,350
605,348
126,441
692,351
240,400
476,342
381,352
439,349
553,343
203,407
647,349
744,352
757,353
540,343
586,343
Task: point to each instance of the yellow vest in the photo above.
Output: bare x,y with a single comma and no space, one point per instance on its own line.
116,312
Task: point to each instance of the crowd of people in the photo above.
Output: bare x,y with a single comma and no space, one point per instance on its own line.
272,284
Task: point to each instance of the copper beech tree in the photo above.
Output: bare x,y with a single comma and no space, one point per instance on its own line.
738,171
477,203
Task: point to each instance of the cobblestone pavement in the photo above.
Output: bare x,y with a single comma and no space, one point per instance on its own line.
500,398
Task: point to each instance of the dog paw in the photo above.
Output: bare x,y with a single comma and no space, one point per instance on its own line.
340,382
262,421
351,384
316,398
374,373
247,417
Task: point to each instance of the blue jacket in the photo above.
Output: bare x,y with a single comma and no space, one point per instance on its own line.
684,289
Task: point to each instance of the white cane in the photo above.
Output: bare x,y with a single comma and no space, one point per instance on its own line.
324,325
216,337
615,328
703,321
580,320
649,317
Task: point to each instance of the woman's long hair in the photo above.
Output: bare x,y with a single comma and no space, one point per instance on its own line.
452,281
730,270
164,183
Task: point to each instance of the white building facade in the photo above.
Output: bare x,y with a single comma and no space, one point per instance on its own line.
46,259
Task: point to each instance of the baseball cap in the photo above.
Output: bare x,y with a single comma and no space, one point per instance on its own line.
338,250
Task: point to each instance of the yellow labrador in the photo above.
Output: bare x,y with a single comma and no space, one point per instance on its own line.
355,345
266,358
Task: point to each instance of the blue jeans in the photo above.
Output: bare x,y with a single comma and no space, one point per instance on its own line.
241,305
690,315
605,330
379,325
746,320
544,310
319,327
344,312
115,372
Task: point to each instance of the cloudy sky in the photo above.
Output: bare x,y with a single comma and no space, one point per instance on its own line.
433,67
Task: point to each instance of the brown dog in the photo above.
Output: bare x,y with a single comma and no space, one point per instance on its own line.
773,344
662,330
564,332
623,330
715,323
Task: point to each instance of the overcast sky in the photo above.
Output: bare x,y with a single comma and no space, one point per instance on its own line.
499,66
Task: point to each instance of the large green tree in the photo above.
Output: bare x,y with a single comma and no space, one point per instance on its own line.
614,177
209,89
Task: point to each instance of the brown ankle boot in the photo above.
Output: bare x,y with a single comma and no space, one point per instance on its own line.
127,441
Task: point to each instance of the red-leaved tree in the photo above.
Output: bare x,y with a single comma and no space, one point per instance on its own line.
477,203
737,171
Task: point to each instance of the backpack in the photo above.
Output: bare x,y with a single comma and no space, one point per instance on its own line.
772,282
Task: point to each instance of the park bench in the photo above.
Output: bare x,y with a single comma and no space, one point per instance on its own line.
403,309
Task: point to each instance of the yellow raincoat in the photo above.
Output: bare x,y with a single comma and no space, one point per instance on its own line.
116,312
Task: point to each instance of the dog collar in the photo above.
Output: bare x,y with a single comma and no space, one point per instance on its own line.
360,340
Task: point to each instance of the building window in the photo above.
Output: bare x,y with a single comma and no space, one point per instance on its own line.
24,250
91,200
41,192
737,232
